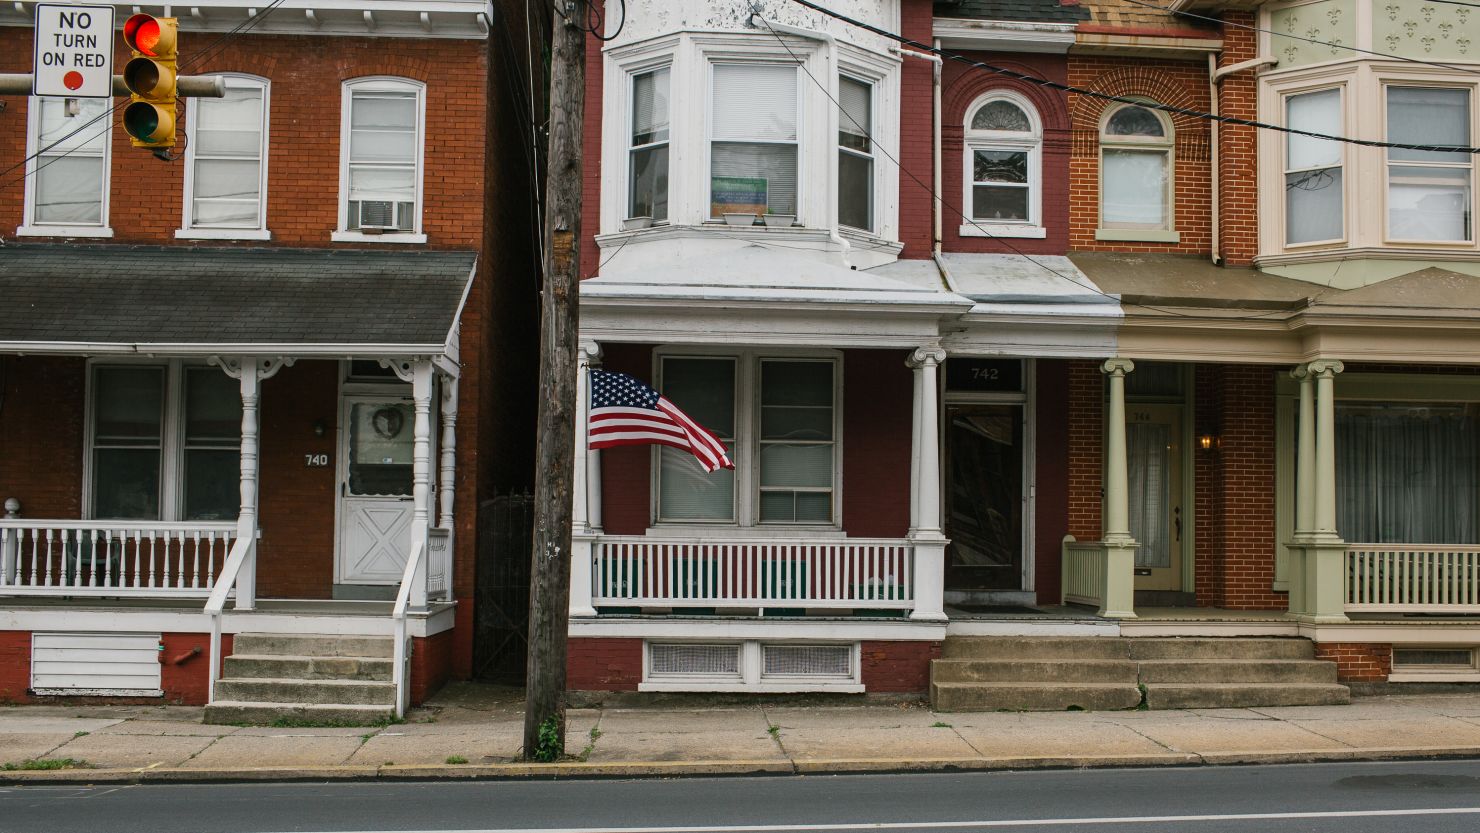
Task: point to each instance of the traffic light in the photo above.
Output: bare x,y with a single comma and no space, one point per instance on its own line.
149,119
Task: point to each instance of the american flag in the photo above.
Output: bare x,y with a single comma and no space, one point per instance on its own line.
625,411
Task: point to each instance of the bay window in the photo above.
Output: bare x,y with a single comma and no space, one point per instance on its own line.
165,442
67,177
855,153
753,164
1428,192
1313,169
380,153
785,444
648,163
1135,169
226,154
1003,148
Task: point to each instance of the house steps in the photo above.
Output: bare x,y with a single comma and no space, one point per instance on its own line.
305,678
1103,673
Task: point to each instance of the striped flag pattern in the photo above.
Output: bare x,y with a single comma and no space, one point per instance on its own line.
625,411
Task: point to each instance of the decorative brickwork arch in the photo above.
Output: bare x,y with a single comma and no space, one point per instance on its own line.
1139,82
959,97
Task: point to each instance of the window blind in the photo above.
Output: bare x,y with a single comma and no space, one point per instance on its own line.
69,176
755,101
227,179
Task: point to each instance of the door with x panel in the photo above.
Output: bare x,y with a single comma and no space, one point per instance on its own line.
375,493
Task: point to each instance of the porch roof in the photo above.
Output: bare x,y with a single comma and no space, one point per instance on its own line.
83,299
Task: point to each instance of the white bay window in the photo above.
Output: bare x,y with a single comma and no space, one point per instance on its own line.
226,162
67,177
648,167
753,131
1428,192
1314,196
855,153
381,153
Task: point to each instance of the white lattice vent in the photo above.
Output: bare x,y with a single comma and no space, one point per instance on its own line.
694,660
808,661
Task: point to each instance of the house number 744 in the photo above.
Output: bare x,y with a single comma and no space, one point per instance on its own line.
315,461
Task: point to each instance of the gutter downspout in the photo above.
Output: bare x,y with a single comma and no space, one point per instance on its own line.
1214,76
832,59
935,119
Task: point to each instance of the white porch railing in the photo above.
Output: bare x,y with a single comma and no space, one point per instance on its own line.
145,559
1412,578
1084,572
772,572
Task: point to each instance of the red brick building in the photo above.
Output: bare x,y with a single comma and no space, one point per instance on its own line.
322,235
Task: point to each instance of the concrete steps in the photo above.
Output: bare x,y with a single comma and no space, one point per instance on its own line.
305,679
1096,673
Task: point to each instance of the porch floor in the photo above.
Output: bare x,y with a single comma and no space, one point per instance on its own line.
303,607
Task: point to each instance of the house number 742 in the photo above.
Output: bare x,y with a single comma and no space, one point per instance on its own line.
315,461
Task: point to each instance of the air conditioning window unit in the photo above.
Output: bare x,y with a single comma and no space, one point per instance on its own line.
377,215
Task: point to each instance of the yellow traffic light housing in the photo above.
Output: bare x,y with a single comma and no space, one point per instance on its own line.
149,119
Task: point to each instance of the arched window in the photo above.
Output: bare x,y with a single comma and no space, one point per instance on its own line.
226,162
1135,169
1004,143
380,158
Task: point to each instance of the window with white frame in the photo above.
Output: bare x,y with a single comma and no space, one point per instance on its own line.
1004,142
67,185
382,153
1314,210
165,442
753,165
1428,192
1135,169
647,170
785,446
855,153
226,158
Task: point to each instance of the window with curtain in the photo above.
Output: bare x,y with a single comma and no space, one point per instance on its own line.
166,443
796,441
855,153
753,133
69,175
1428,192
703,388
1003,144
383,156
648,165
1408,473
226,149
1313,169
1135,169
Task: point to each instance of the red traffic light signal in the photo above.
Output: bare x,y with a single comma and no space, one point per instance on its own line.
149,119
150,36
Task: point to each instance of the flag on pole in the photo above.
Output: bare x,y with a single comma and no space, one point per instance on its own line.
625,411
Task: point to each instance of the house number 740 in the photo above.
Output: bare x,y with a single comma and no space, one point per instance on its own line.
315,461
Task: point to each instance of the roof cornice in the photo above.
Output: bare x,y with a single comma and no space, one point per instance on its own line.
1003,35
451,19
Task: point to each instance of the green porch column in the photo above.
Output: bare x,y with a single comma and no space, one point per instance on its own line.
1305,487
1118,599
1324,574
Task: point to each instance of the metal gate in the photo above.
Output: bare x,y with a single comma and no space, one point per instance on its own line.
501,618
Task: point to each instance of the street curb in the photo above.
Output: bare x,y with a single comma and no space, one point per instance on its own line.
676,769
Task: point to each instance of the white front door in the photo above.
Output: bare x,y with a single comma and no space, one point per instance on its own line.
375,490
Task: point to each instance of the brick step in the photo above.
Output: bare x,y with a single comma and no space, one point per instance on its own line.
307,668
1034,648
1244,695
985,697
339,692
1033,671
1144,648
313,645
231,712
1238,671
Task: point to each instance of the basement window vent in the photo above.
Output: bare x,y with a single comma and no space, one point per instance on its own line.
808,661
688,660
96,664
1433,659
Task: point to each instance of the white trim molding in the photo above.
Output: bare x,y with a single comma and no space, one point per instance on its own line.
431,19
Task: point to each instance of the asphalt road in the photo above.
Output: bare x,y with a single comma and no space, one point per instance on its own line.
1434,797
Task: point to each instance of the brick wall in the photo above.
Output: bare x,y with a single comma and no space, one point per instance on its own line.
1179,83
431,664
603,664
41,434
1051,504
1086,454
591,160
1238,156
1358,662
15,666
182,674
295,558
877,423
897,666
916,140
962,86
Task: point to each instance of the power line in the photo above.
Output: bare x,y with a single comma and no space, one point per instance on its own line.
1085,91
1293,36
941,201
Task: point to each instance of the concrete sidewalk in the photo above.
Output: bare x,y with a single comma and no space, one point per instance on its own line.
475,731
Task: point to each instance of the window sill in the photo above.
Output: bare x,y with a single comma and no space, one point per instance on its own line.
1003,230
222,234
63,231
361,237
1138,235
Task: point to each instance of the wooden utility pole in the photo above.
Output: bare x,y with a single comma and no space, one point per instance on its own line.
549,582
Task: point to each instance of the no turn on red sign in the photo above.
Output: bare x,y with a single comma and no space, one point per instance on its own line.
74,51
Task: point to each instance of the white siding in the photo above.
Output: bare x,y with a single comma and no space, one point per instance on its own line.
95,663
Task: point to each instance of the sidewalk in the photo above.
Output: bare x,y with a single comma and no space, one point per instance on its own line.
473,731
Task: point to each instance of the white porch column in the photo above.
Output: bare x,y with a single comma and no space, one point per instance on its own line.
926,535
1120,548
1305,488
915,446
585,489
421,473
1325,552
447,471
250,371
